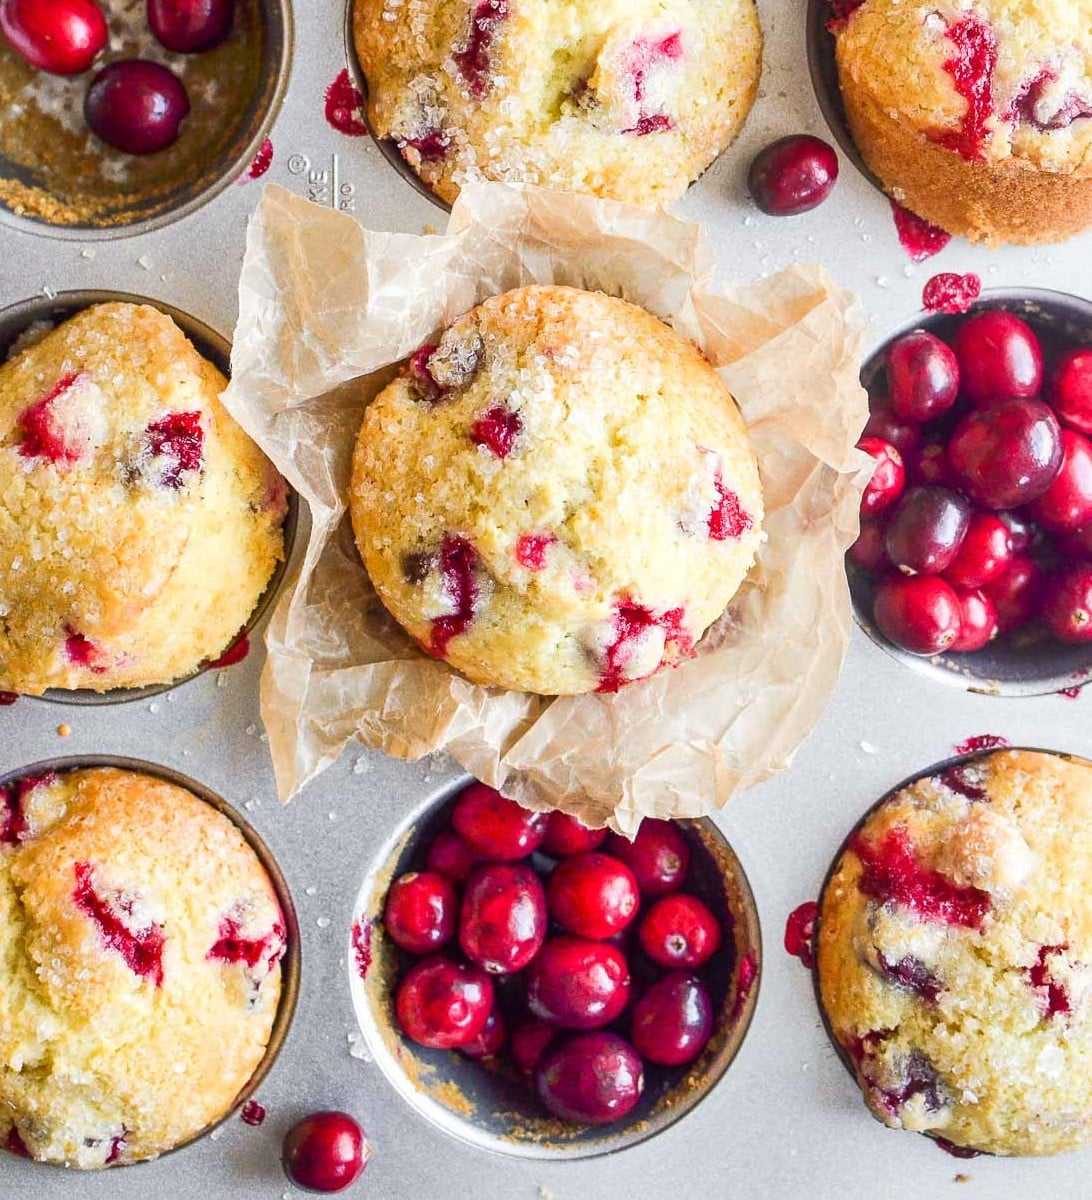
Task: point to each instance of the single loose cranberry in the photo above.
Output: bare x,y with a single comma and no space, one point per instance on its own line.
502,922
592,895
922,377
920,613
1071,393
1066,505
885,425
420,911
1067,604
136,106
450,856
659,856
566,836
999,358
1015,593
591,1079
577,983
793,175
679,931
673,1020
190,26
62,37
925,532
1007,454
977,622
325,1152
869,552
985,552
496,827
490,1041
443,1004
530,1040
888,476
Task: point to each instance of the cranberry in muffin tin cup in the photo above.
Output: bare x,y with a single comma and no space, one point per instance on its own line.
485,1104
14,320
1026,663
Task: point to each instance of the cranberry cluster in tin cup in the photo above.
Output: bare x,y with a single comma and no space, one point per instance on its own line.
977,521
523,929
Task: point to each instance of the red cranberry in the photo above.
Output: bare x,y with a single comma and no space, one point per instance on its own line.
673,1020
868,551
1015,593
420,912
922,377
999,358
566,836
578,983
977,622
450,856
793,175
927,529
883,424
136,106
591,1079
1072,390
679,931
592,895
1066,505
1067,604
888,476
490,1041
985,552
190,26
325,1152
495,826
502,922
1005,455
920,613
529,1042
1021,530
443,1004
60,36
658,856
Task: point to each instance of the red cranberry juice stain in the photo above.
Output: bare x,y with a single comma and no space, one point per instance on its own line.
344,107
630,622
458,567
800,932
252,1113
142,948
263,160
950,293
982,741
473,58
235,653
232,947
531,550
919,238
362,946
727,520
40,438
1054,997
1070,693
971,67
954,1150
179,439
14,826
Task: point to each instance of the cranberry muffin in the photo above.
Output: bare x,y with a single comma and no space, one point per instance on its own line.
138,523
558,496
976,115
953,955
140,948
626,99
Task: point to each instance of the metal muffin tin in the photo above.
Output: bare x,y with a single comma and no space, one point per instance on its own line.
785,1120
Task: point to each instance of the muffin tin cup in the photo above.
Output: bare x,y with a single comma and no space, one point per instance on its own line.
290,963
1037,666
217,349
489,1108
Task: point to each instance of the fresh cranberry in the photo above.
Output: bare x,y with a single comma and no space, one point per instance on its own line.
869,552
566,836
985,552
1007,454
496,827
450,856
136,106
679,931
929,464
885,425
490,1041
920,613
443,1004
1021,530
977,622
592,895
659,856
922,377
888,476
577,983
420,912
62,37
502,922
1067,604
999,358
793,175
1071,394
190,26
325,1152
591,1079
673,1020
927,529
530,1040
1015,593
1066,505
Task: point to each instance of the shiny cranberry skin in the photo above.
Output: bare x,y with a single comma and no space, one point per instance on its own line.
450,856
999,358
658,856
985,552
673,1020
1015,593
922,377
925,532
325,1152
1071,392
566,836
1067,604
920,613
1066,505
592,895
490,1041
590,1079
883,424
888,476
496,827
190,26
868,551
502,922
443,1004
62,37
136,106
530,1040
793,175
977,622
1005,455
679,931
420,912
578,983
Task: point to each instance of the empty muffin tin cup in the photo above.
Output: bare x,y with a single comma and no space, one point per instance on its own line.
57,179
488,1107
211,345
1028,664
290,963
